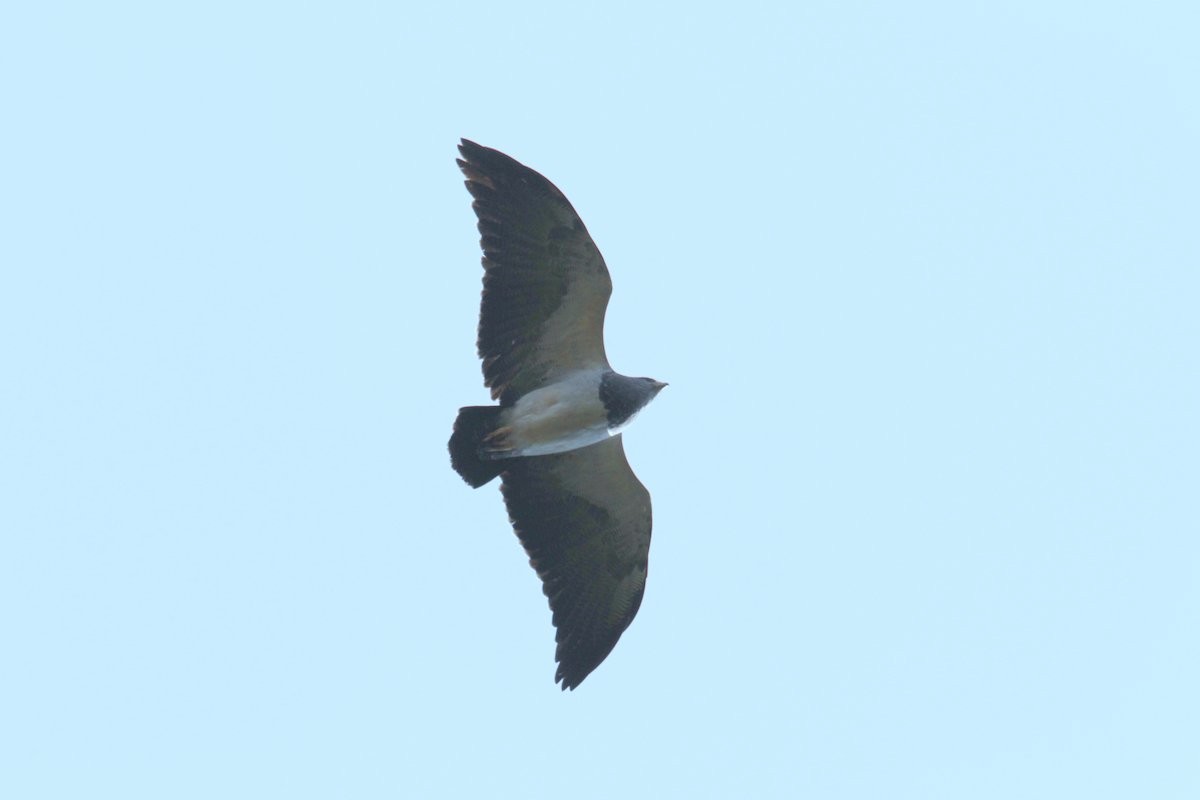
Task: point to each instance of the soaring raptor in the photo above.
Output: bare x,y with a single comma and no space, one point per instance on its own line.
578,509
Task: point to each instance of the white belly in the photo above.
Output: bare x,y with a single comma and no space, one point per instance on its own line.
557,418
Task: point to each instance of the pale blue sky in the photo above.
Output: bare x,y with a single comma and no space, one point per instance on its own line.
924,279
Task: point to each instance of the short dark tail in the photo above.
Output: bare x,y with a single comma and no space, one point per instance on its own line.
473,423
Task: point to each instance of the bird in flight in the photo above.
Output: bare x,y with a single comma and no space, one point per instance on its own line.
578,509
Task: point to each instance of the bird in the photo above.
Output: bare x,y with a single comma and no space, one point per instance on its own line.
575,504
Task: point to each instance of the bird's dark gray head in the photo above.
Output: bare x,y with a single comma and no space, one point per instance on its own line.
623,397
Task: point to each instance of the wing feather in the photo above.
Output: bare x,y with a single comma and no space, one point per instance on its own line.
584,519
545,284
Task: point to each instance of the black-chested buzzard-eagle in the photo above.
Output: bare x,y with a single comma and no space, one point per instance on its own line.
580,512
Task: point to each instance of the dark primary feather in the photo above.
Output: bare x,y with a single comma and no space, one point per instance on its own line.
585,520
545,284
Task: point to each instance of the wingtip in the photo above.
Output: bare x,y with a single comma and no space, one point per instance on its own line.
473,164
570,676
466,148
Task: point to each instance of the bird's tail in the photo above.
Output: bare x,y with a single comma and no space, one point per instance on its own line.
474,423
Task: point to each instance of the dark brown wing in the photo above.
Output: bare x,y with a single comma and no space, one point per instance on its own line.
584,518
545,285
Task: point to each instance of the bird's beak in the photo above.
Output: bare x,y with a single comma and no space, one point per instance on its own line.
660,385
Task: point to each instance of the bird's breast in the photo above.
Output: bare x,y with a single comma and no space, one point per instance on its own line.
563,416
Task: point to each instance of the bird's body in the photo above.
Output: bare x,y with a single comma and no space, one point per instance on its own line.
561,416
565,415
580,512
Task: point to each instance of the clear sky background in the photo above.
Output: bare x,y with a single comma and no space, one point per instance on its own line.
924,279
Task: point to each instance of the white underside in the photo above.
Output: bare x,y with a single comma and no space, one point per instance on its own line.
564,416
572,441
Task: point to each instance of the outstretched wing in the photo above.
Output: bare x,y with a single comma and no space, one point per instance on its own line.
545,285
584,518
